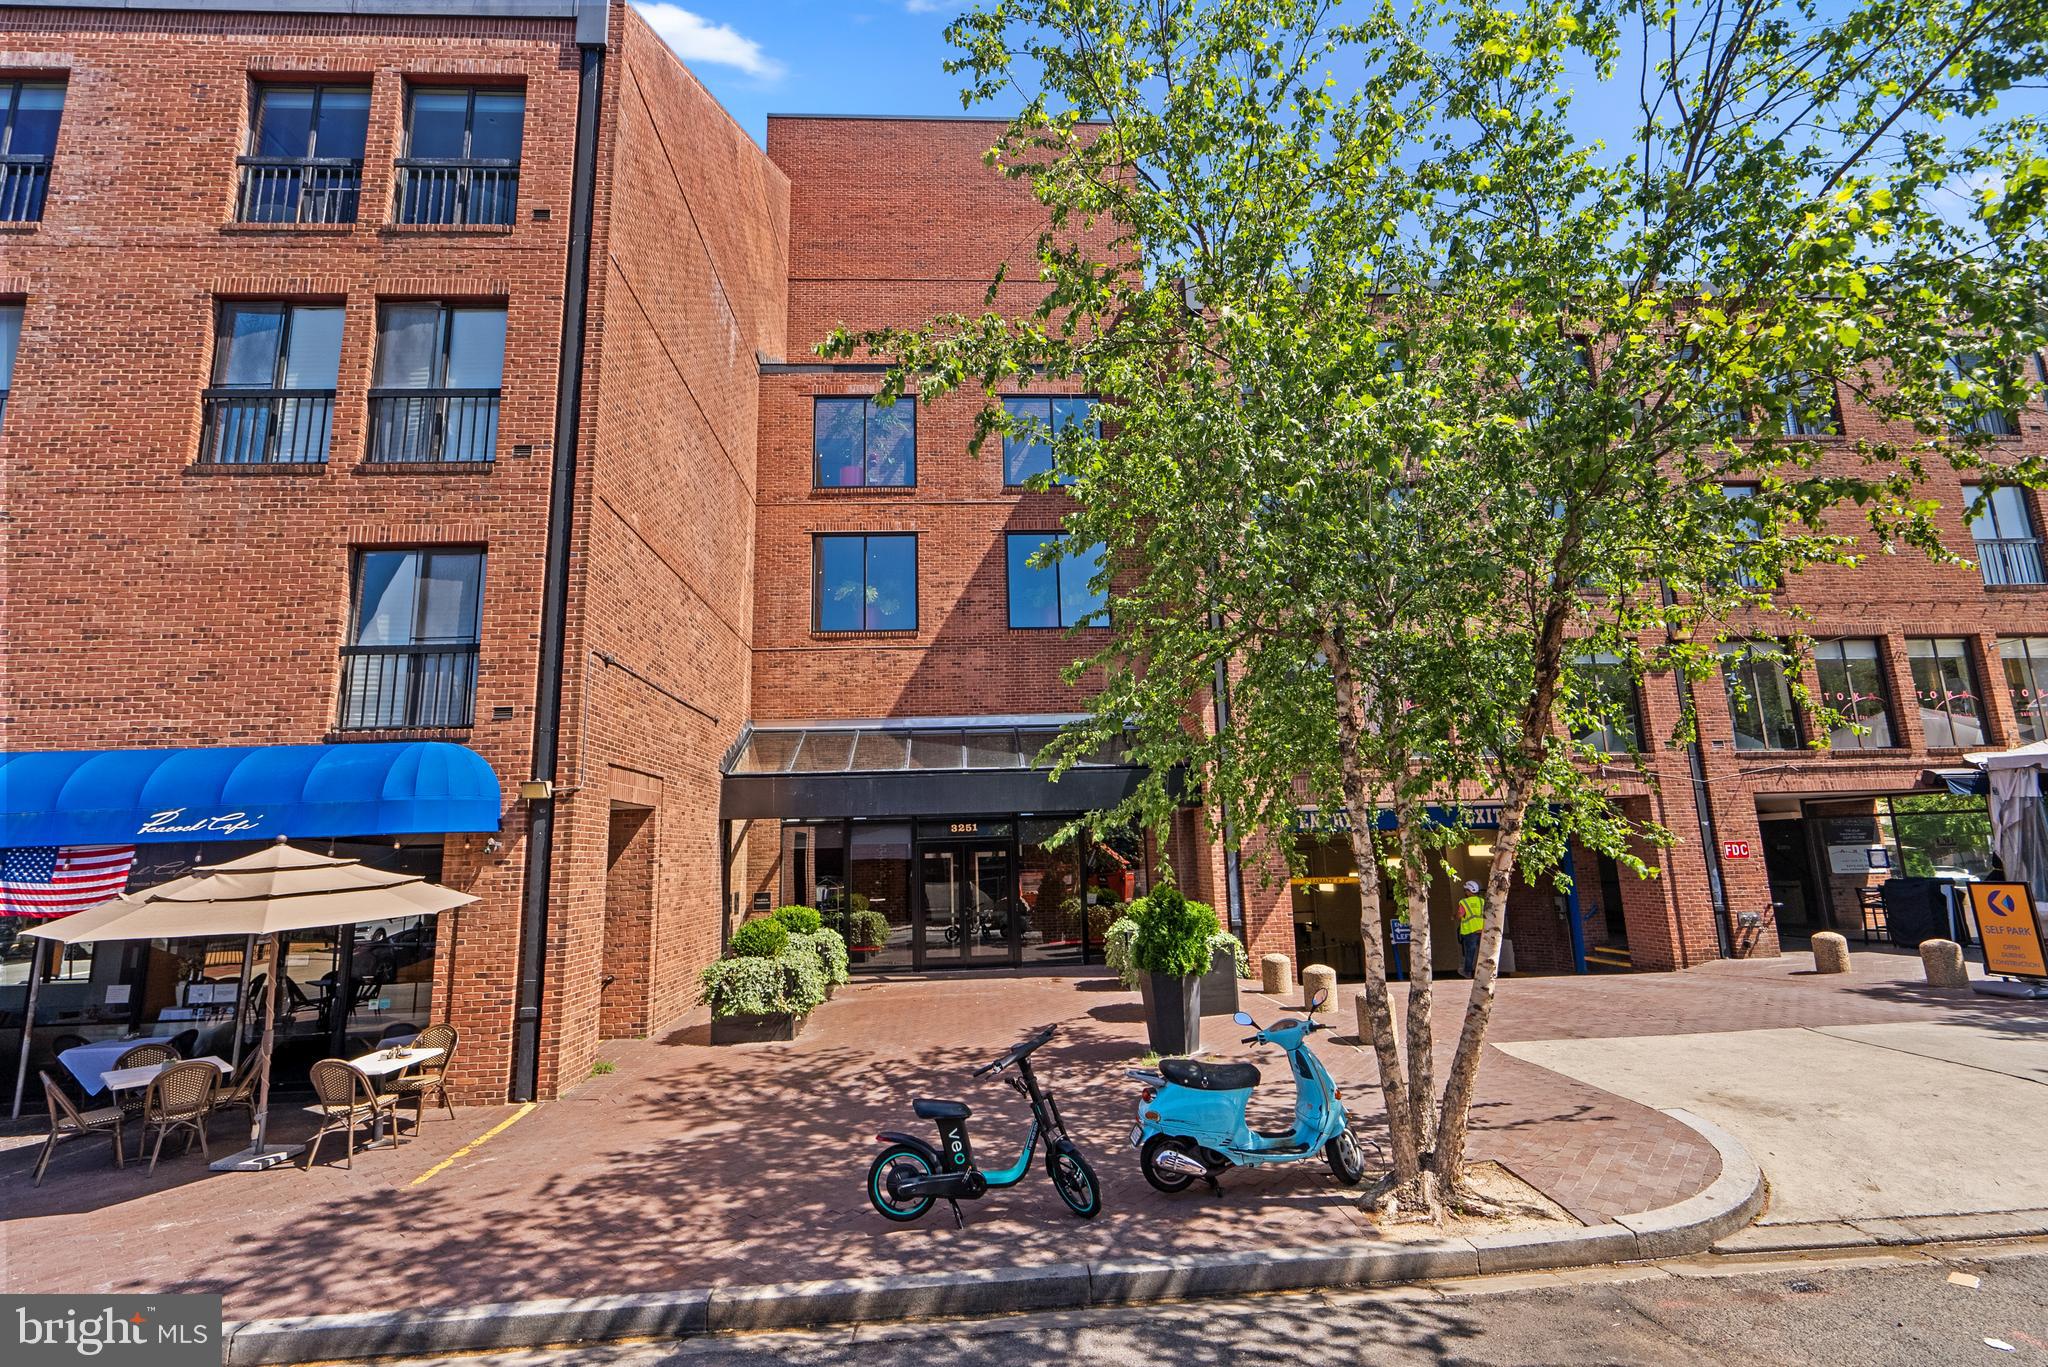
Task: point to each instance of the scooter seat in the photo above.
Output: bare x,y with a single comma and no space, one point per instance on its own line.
1209,1077
927,1109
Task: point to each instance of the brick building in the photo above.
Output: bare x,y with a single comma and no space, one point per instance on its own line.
427,391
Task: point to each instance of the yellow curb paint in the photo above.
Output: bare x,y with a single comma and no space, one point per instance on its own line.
476,1143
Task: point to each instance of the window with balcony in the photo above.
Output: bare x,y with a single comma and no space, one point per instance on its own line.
2007,550
1028,453
1966,373
10,342
864,583
434,396
29,114
411,658
1851,672
461,162
2026,679
1617,727
1057,594
305,161
1945,689
1760,706
271,401
856,443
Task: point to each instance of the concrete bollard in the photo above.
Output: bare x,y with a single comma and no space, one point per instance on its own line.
1318,976
1276,975
1830,953
1943,962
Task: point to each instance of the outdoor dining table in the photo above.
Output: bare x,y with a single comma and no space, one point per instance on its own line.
130,1079
90,1062
383,1063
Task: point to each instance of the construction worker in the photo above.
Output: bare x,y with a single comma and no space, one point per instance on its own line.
1397,946
1471,920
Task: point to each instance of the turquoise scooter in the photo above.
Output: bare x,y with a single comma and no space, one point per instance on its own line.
1191,1116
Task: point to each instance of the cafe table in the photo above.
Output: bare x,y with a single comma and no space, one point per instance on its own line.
118,1080
383,1063
89,1062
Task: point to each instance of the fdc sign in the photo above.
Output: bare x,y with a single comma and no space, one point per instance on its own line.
2010,930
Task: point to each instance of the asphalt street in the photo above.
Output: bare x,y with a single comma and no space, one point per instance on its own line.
1869,1310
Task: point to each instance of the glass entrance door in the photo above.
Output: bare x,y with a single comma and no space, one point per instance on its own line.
969,902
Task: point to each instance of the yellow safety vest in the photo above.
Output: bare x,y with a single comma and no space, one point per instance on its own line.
1472,918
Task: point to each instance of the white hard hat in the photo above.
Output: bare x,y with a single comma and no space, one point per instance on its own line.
1471,886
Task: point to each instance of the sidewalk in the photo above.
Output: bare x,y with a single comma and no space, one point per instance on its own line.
699,1167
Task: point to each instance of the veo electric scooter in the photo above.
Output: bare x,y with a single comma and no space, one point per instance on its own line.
1191,1115
909,1175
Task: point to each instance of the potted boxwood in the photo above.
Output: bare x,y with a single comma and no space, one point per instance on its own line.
808,936
764,990
866,933
1227,964
1171,951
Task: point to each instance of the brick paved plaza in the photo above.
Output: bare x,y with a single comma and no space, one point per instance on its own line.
691,1165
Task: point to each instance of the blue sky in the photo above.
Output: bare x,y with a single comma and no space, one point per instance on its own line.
814,56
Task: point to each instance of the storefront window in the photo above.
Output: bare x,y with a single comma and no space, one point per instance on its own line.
1940,835
1049,886
879,883
1945,683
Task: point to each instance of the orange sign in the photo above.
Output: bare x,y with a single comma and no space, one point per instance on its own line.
2009,929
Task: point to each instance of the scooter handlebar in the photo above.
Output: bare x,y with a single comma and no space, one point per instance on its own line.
1249,1039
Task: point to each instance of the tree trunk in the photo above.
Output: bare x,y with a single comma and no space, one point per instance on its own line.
1362,812
1415,868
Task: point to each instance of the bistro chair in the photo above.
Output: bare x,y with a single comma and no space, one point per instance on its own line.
347,1100
429,1077
143,1055
179,1098
68,1122
240,1092
1871,903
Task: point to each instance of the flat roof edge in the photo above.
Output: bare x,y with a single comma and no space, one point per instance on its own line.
908,118
454,9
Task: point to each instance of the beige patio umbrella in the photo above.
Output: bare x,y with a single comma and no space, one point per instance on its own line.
264,894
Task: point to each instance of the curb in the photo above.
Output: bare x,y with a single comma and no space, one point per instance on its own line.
1691,1226
1887,1232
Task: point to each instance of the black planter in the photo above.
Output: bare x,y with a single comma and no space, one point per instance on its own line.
779,1025
1173,1014
1219,985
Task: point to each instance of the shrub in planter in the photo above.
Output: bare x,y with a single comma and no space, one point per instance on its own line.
759,997
797,920
866,932
831,952
761,939
1227,964
1101,916
1171,948
1116,949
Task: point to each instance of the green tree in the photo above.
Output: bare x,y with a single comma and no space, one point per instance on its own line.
1422,391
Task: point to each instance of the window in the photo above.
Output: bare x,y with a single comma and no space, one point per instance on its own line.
434,396
1747,528
2026,679
1617,729
1966,381
1852,684
10,342
1544,396
272,396
1809,405
1945,687
857,443
461,162
1760,708
411,657
2007,552
305,162
1028,454
29,114
1057,595
864,583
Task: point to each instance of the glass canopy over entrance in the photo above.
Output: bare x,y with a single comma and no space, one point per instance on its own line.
899,746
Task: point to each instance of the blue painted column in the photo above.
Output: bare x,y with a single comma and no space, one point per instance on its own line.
1571,913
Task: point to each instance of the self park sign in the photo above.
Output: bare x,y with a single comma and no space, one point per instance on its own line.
2010,930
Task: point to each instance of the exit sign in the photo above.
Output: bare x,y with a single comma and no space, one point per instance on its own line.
1735,849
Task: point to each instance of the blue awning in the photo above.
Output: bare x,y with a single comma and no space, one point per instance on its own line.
244,792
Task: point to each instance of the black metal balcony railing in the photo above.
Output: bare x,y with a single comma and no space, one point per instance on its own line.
267,426
457,194
299,190
433,424
2010,560
386,688
24,181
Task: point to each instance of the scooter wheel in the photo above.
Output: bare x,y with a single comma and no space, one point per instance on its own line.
1160,1178
1075,1181
1347,1160
898,1158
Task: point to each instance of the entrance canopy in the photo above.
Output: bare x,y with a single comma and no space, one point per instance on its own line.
912,767
244,792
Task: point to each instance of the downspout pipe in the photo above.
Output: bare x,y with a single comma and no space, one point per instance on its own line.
592,22
1703,806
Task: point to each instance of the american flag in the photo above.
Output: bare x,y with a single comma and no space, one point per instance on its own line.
56,880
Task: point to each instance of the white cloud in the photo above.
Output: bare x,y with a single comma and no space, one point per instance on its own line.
695,39
932,6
